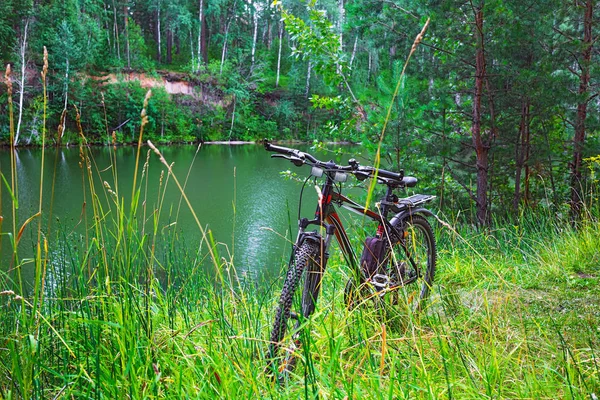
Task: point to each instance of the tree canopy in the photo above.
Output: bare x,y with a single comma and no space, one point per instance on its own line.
498,109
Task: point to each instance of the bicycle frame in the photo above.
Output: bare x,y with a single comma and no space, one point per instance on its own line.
327,217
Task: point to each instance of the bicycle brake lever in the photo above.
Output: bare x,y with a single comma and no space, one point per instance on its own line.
298,162
277,155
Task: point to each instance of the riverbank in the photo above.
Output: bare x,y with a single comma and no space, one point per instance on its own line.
183,108
213,142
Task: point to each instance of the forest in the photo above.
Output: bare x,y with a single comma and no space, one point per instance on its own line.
498,108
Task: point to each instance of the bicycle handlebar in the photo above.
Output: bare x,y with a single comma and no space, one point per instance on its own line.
290,152
299,158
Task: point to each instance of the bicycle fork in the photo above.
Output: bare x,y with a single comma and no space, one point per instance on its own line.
315,268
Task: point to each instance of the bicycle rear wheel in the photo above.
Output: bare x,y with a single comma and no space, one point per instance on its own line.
305,271
412,262
405,273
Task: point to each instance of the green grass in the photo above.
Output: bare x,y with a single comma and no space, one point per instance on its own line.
128,309
514,315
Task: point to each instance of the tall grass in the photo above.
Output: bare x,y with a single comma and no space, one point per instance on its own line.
129,310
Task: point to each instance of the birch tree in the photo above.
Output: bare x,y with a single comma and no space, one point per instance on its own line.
22,50
116,30
230,16
279,54
126,25
200,33
340,29
67,44
255,35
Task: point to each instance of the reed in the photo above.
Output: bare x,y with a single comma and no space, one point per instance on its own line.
126,307
13,176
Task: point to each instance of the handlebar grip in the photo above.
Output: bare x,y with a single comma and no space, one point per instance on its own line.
278,149
382,173
389,174
290,152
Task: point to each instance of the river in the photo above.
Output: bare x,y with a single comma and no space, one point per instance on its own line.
237,192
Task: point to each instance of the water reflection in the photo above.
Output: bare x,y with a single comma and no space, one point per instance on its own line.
236,191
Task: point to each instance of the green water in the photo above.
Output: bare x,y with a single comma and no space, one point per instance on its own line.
237,192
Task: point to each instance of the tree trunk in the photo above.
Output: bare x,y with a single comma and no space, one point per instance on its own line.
269,30
579,139
158,38
106,24
307,89
526,195
169,46
354,50
255,36
520,152
33,130
279,54
205,39
370,68
22,82
126,22
527,141
341,30
116,30
481,147
224,50
555,199
193,56
200,33
227,26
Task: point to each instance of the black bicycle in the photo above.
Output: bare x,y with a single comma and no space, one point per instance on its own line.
398,262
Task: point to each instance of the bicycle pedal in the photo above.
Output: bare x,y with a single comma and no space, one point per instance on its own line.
380,281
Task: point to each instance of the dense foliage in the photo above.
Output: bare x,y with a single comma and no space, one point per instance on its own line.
498,107
497,114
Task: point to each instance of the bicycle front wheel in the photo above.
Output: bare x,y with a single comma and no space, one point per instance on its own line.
305,271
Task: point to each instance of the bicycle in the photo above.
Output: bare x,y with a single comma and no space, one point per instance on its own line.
401,255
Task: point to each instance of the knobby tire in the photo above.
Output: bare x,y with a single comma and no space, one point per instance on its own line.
305,262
